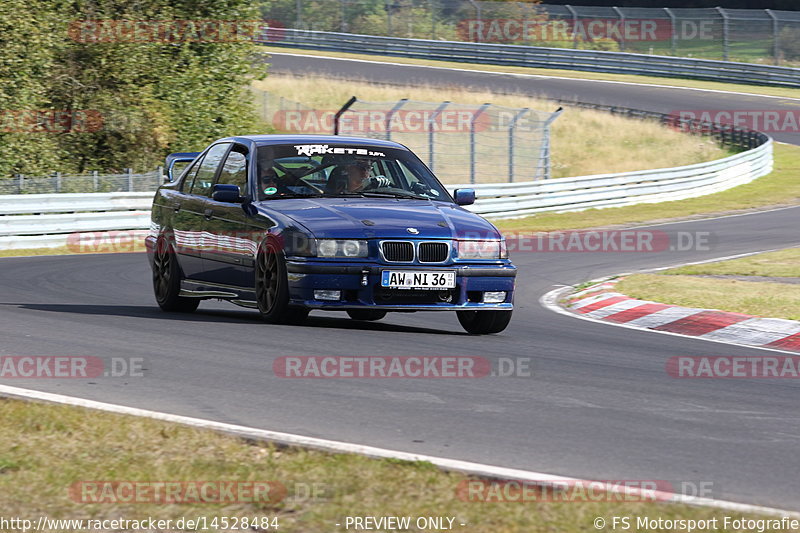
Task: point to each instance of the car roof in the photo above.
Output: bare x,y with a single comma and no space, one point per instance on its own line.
265,140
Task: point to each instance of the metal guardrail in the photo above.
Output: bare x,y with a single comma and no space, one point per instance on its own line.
52,220
506,200
531,56
752,35
627,188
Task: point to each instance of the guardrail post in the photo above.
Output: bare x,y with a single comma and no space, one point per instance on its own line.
574,25
20,178
57,181
129,173
775,37
95,176
725,29
472,142
394,110
159,175
431,120
673,22
511,127
621,16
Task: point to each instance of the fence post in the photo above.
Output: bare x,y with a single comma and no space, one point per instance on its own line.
478,18
432,118
775,37
389,8
472,142
621,16
20,178
57,181
574,25
394,110
299,15
433,11
673,22
545,153
129,173
725,30
339,114
511,126
95,177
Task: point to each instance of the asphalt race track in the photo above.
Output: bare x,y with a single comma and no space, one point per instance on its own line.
600,404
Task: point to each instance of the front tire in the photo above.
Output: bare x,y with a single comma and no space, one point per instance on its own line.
167,280
368,315
484,322
272,288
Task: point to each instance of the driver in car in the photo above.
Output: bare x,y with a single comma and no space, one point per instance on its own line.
359,179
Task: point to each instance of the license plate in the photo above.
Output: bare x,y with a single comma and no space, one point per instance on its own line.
412,279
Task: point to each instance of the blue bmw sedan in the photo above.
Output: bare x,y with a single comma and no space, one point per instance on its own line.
287,224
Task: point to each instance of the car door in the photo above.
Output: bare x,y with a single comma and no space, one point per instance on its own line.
190,214
235,233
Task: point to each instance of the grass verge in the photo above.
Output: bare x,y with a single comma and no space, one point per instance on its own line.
629,78
46,449
683,286
779,188
783,263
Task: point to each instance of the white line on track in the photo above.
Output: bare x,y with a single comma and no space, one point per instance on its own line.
476,469
537,76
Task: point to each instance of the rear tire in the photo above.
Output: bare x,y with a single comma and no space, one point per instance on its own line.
167,280
272,288
368,315
484,322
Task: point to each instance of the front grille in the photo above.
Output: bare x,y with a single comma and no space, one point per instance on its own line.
433,252
398,251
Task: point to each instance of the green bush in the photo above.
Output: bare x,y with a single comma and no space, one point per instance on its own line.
152,97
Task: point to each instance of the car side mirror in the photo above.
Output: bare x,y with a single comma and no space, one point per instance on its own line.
229,194
178,157
465,196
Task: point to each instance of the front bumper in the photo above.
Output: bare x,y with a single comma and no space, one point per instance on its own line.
359,284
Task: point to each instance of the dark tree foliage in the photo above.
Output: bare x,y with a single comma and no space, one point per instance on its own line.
144,96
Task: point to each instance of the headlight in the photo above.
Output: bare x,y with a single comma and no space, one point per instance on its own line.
482,249
344,248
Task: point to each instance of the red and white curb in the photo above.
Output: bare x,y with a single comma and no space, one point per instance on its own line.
601,302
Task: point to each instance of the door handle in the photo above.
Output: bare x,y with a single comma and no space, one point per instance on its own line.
208,213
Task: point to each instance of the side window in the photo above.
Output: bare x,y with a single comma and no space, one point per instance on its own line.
208,168
234,170
186,183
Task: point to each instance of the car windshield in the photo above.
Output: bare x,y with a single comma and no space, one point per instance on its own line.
327,170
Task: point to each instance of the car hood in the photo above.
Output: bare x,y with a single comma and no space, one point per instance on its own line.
381,218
